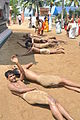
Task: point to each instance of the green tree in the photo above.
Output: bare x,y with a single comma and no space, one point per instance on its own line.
14,4
69,2
32,4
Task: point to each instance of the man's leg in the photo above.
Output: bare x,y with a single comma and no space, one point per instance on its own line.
70,83
60,48
63,112
44,45
55,111
36,50
57,51
72,88
27,66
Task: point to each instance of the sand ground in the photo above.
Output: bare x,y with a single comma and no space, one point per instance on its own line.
65,65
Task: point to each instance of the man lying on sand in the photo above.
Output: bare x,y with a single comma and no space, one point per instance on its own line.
34,95
38,39
44,80
34,50
44,43
37,45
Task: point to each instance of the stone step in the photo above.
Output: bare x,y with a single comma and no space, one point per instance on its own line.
4,35
2,26
3,29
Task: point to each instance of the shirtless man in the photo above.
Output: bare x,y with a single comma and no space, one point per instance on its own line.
37,45
44,80
34,95
35,50
39,39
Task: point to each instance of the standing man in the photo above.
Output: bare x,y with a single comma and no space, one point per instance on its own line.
19,19
30,21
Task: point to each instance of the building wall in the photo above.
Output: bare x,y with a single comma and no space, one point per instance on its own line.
4,7
4,14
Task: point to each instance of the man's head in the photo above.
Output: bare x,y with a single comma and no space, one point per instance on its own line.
28,44
10,76
26,35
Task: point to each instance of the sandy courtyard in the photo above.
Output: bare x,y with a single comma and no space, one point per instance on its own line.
65,65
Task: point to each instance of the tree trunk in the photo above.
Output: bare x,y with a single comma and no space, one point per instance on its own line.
37,8
62,20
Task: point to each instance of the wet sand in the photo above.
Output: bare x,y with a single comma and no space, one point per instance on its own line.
65,65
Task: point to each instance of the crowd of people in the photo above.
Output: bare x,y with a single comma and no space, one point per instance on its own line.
41,25
72,26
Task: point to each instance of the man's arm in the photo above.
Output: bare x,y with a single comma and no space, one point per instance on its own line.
13,88
15,60
32,41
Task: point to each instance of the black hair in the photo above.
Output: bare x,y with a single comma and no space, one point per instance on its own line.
37,18
30,15
14,72
9,72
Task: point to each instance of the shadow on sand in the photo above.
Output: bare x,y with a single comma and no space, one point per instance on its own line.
11,47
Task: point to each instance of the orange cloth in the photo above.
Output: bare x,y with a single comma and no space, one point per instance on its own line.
46,26
42,26
79,21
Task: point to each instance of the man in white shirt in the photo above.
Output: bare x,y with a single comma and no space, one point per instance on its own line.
19,19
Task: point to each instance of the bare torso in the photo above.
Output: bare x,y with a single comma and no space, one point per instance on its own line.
19,84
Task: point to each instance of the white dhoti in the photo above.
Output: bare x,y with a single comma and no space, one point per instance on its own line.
44,51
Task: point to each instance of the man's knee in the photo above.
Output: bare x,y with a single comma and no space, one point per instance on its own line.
51,101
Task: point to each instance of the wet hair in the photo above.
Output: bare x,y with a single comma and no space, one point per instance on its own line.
28,42
14,72
9,72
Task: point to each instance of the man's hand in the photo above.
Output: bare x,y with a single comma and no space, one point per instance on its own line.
14,59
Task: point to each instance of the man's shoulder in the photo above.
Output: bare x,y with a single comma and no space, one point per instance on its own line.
10,85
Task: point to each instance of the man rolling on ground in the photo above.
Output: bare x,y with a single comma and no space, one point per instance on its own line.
34,95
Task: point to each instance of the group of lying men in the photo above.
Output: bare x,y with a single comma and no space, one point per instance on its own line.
34,44
17,86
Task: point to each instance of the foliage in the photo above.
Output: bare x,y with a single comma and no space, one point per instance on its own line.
75,13
14,11
32,4
69,2
64,13
71,12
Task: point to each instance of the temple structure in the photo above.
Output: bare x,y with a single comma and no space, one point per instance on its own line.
4,18
4,14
